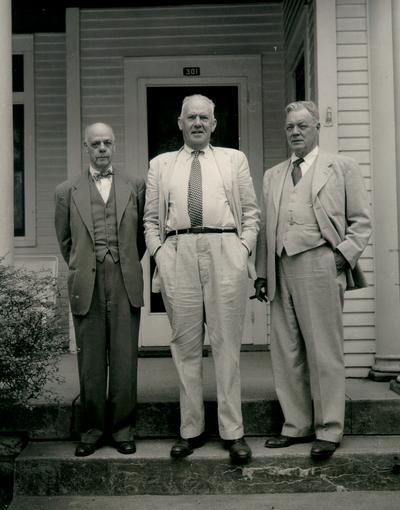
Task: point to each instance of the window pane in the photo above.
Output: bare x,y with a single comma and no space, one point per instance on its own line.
19,175
18,73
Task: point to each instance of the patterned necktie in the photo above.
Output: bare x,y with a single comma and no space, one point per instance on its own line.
296,172
195,193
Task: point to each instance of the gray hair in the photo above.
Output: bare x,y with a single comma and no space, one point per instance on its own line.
197,96
307,105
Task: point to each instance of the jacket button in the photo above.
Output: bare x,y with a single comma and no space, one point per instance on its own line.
93,269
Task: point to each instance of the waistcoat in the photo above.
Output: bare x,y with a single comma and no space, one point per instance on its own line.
297,229
104,223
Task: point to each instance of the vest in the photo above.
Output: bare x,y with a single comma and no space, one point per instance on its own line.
104,223
297,229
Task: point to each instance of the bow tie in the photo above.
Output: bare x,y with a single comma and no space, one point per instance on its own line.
102,175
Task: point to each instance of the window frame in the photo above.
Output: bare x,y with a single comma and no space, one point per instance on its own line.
23,45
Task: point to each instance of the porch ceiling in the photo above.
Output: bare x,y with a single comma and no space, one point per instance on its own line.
49,16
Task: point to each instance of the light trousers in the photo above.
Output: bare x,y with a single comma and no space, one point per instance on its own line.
307,344
204,280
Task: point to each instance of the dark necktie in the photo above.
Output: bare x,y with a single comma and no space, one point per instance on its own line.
296,171
195,193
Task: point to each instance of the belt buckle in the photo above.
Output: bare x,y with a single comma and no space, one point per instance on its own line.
196,230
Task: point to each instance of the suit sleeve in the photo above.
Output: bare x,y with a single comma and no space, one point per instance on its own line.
151,210
141,195
358,217
261,248
62,221
250,219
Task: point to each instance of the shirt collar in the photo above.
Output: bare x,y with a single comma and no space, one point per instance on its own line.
308,158
189,150
93,171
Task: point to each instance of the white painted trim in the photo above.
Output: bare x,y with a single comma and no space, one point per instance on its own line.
326,71
74,121
23,44
74,137
384,178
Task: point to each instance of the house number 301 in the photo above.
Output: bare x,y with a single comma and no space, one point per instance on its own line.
191,71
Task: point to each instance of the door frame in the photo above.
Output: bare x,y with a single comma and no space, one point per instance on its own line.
243,71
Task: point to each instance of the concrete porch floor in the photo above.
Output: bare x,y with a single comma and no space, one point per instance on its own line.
158,382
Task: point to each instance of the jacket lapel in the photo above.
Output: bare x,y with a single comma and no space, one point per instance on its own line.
322,172
81,198
224,165
122,195
277,188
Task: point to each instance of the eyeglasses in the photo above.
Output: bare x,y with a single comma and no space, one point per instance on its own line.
97,144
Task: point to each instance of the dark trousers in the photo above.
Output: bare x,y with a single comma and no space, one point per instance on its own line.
107,342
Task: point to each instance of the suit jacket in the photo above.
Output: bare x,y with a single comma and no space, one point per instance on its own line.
341,207
75,234
234,170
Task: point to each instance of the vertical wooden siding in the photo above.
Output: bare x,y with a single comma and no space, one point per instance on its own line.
354,141
109,36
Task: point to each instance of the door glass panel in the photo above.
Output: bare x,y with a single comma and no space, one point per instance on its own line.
163,108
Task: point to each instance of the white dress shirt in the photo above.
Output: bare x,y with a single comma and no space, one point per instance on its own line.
216,210
103,185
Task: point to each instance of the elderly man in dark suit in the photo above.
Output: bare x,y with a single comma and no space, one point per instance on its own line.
316,223
99,226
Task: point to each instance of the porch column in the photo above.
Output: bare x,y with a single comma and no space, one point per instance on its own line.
6,136
385,83
396,73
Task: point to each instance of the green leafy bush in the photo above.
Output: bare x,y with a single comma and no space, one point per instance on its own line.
31,341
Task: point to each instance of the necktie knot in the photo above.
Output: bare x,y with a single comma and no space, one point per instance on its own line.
196,154
298,162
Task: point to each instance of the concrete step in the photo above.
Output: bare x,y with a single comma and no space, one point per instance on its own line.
361,463
371,407
161,419
384,500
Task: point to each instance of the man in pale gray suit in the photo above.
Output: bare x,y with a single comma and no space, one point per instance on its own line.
201,223
315,225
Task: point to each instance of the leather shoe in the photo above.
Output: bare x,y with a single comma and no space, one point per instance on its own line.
285,441
322,449
85,449
239,450
184,447
126,447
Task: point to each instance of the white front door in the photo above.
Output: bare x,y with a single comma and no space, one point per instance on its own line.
154,90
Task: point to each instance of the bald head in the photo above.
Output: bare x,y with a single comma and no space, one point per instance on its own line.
100,145
98,127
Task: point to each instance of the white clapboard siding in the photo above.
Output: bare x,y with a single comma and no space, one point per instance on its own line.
109,36
354,132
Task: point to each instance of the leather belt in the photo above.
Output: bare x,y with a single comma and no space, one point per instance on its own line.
201,230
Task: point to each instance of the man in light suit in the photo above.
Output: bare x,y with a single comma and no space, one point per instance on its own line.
99,226
315,225
201,223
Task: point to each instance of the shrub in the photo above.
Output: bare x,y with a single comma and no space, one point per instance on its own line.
31,341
